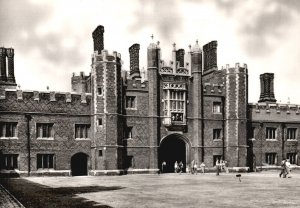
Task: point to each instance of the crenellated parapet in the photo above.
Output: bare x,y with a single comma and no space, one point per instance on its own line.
238,68
45,101
274,108
106,56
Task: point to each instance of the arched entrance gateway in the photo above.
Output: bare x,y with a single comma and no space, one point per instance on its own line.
79,164
174,147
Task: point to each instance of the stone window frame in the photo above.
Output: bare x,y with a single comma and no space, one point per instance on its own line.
83,130
133,103
219,132
45,161
5,159
293,157
40,127
174,105
128,135
216,110
271,158
289,133
100,91
269,135
13,128
215,158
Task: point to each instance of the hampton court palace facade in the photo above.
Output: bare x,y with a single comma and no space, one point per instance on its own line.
114,122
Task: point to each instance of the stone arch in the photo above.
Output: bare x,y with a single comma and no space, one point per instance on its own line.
174,147
79,164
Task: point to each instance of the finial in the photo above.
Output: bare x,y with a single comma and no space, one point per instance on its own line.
47,87
174,44
197,41
152,36
190,46
158,42
19,86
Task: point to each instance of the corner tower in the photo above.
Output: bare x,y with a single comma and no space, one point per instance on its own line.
106,108
236,83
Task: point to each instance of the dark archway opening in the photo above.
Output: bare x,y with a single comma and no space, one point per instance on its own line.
79,164
172,149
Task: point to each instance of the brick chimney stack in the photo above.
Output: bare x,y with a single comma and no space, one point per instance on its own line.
98,38
134,61
180,57
267,88
11,69
3,64
210,56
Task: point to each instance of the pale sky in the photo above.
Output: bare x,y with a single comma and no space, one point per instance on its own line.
52,39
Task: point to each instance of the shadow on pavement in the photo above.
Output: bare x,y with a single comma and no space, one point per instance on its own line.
35,195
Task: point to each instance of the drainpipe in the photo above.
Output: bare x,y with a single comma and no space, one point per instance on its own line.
223,128
282,141
28,117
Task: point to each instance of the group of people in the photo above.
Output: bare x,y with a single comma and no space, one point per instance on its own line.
285,169
179,167
221,165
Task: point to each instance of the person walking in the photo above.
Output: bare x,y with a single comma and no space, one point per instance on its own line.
176,167
163,166
192,166
218,167
226,167
288,168
180,167
283,169
195,168
202,167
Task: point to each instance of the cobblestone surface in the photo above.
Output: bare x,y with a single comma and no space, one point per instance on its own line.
7,200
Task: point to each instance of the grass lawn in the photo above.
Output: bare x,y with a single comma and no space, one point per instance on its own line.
170,190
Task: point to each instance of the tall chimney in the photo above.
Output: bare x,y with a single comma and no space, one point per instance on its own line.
98,38
10,63
134,61
3,64
267,88
180,57
210,55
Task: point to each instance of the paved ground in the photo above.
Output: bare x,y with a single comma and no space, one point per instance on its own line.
7,200
169,190
185,190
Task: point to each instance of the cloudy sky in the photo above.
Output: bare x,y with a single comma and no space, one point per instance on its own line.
53,38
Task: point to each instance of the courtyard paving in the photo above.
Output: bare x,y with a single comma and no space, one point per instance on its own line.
264,189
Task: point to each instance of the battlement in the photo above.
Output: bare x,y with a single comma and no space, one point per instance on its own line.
216,89
106,56
51,96
274,108
236,69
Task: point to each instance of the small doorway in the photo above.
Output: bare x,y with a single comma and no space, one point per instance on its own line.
79,164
